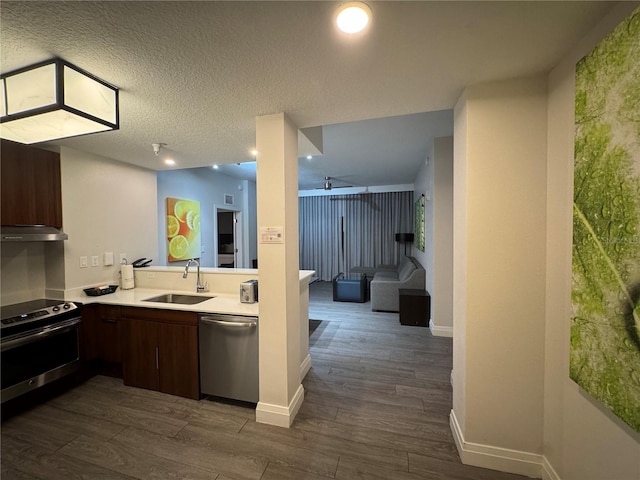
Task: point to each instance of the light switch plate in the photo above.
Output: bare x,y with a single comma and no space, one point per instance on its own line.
108,259
95,261
83,262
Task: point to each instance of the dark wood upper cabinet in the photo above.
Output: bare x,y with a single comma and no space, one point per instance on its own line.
31,186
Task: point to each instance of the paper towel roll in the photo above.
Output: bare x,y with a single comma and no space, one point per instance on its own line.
126,274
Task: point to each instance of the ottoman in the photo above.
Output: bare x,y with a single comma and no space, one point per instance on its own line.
351,287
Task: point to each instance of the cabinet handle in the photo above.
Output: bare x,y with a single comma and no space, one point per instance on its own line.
109,320
157,358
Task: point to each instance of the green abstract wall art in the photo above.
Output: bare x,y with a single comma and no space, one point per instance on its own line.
605,324
418,228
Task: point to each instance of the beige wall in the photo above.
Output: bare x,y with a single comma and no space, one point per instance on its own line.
23,272
281,392
501,183
460,238
107,207
514,406
435,181
582,440
442,295
423,185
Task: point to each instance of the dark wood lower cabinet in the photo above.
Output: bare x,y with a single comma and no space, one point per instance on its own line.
149,348
161,351
109,340
178,360
101,344
141,353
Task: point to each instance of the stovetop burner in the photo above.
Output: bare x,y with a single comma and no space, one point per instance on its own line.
35,313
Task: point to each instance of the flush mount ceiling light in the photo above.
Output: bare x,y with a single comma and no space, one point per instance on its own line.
353,17
53,100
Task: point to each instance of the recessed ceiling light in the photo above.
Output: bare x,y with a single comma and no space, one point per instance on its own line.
353,17
170,161
309,157
215,167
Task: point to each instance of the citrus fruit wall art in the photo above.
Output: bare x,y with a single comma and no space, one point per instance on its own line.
183,229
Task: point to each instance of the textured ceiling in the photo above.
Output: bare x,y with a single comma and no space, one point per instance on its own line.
194,75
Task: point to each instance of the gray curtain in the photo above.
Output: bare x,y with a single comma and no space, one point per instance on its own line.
338,232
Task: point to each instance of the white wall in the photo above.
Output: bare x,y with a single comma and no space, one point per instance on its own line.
435,181
582,440
107,206
209,188
501,177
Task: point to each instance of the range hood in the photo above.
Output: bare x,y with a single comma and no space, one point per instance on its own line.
31,233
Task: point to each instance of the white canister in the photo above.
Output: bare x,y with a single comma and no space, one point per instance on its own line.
126,275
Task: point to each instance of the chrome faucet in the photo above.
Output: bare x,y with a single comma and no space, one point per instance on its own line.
199,286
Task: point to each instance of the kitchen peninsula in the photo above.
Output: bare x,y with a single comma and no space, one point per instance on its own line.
111,312
223,284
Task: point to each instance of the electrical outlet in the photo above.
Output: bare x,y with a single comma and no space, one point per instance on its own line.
83,262
95,261
123,258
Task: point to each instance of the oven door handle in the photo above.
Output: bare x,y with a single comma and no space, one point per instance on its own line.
34,336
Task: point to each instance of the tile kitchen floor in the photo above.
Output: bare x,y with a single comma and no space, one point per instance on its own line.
377,401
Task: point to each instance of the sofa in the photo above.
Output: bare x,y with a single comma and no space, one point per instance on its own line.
386,282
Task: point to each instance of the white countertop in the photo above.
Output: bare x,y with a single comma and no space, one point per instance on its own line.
221,303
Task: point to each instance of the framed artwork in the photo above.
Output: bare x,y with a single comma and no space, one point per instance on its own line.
605,323
183,229
418,228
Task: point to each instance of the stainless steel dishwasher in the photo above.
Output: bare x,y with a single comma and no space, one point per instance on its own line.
229,356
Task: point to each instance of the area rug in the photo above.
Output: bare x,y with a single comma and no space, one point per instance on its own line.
313,324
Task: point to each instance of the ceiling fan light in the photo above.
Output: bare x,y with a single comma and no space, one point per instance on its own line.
53,100
353,17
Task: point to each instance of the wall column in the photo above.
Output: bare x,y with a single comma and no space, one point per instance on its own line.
499,274
281,392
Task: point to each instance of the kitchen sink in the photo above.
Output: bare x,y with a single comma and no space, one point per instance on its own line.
180,298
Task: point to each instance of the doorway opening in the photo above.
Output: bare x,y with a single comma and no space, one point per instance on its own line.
227,242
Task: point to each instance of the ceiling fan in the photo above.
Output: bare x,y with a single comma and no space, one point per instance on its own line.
329,186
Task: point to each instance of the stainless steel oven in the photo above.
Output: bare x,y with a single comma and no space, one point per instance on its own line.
39,344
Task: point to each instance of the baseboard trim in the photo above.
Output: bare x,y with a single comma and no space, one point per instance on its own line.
440,331
548,472
279,415
305,366
495,458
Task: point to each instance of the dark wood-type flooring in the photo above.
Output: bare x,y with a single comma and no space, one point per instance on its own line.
377,403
